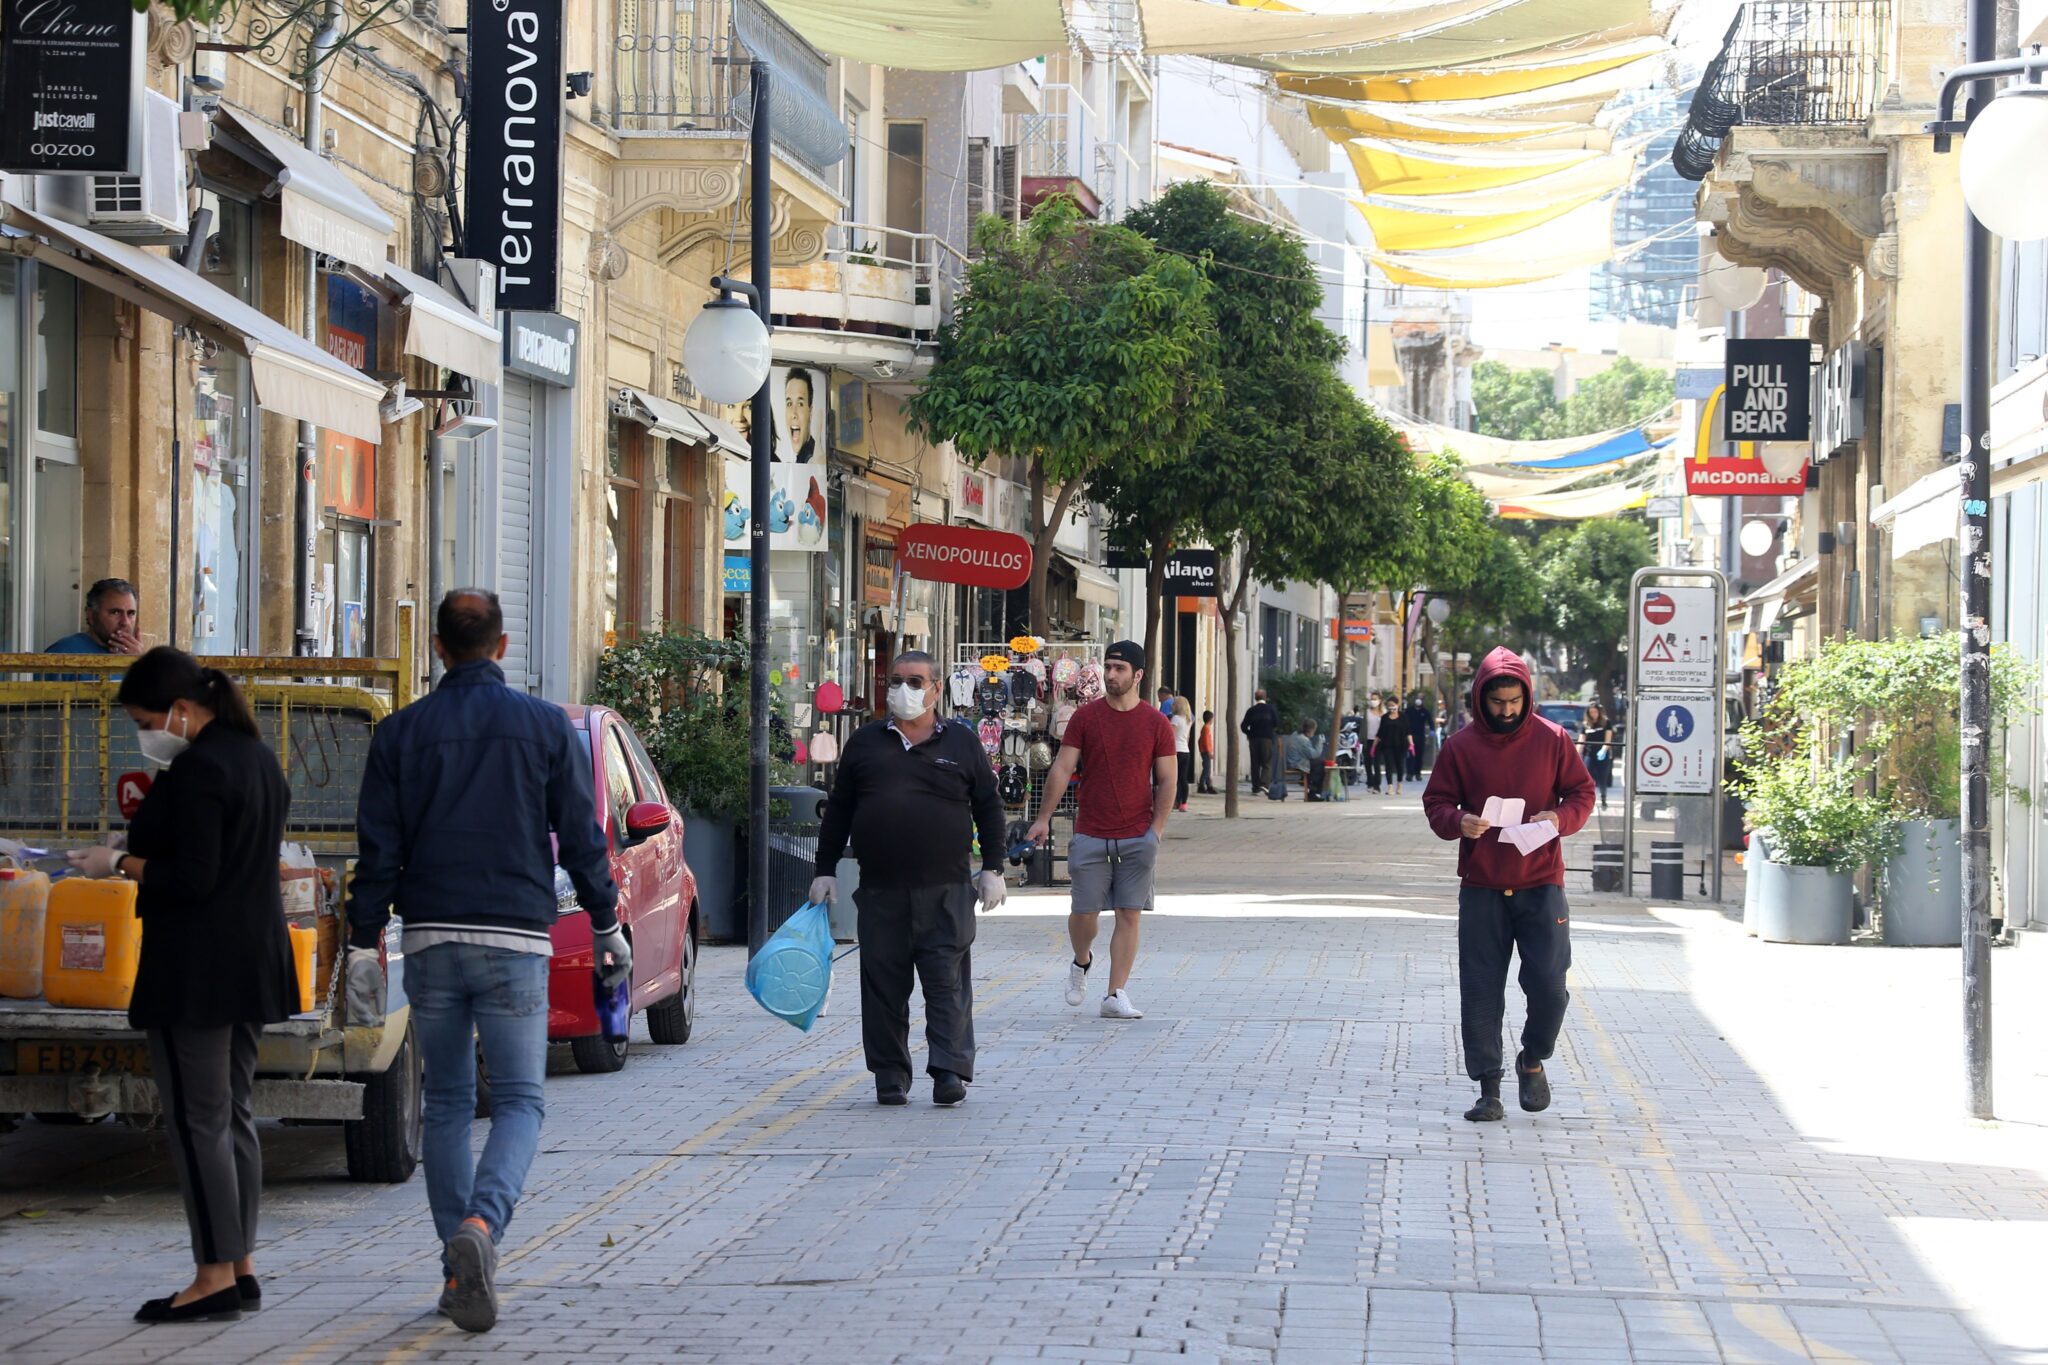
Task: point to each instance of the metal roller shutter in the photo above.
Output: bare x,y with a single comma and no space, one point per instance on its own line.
517,500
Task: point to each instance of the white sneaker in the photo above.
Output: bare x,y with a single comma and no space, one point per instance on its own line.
1117,1005
1077,981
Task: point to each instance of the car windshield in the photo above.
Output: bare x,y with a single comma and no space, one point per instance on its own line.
1565,713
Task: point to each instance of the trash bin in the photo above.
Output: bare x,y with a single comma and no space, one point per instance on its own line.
1667,870
1607,867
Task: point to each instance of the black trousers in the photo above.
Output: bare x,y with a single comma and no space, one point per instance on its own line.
1491,924
204,1077
1186,761
1262,763
926,930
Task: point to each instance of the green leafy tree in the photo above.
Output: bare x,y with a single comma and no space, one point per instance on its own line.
1501,591
1253,488
1515,405
1584,571
1622,394
1072,344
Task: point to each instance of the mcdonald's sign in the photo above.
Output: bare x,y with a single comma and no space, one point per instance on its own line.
1756,468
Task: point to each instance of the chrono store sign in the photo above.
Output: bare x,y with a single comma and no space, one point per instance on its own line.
514,195
1769,390
71,83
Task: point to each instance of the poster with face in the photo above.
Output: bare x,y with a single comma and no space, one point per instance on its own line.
800,397
796,506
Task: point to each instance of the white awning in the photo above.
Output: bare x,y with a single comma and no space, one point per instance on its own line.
322,208
1092,584
1767,603
1928,512
672,421
441,328
293,377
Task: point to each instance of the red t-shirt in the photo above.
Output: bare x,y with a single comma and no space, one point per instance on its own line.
1117,751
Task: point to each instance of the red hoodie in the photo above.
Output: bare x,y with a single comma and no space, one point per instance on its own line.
1537,762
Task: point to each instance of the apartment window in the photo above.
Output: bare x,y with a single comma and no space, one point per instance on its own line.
850,169
679,538
1273,640
906,186
1308,643
625,457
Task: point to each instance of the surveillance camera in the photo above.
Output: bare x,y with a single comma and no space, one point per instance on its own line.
579,83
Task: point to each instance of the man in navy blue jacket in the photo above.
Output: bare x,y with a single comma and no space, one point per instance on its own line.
462,790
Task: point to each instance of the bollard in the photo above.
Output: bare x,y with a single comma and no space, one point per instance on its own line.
1667,870
1607,874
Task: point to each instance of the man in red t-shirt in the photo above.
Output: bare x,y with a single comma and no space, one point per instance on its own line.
1127,749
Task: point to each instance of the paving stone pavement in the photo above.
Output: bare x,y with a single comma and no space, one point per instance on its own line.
1753,1156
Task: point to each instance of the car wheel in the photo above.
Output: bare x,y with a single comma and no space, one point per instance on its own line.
670,1021
384,1145
598,1054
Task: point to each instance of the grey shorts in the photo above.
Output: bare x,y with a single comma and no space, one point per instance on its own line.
1111,874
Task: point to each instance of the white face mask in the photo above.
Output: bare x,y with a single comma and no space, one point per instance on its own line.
906,702
161,747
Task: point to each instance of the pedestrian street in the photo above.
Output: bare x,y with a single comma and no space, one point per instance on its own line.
1751,1156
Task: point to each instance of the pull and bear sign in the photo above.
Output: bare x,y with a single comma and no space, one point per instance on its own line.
1769,390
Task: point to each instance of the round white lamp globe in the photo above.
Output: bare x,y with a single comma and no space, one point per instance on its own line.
1439,610
727,352
1757,537
1782,459
1734,287
2001,170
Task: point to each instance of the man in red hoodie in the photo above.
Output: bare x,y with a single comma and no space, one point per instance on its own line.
1509,900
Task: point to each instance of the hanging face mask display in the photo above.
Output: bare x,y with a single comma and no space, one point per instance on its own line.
160,747
906,702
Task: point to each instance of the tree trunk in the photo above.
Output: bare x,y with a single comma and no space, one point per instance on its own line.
1044,527
1231,769
1337,698
1155,596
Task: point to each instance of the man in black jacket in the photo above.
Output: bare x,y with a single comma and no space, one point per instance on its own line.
912,791
1261,725
460,794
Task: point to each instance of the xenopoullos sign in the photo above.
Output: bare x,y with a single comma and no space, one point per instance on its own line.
964,554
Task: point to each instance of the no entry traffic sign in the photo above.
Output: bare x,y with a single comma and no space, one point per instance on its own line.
1658,608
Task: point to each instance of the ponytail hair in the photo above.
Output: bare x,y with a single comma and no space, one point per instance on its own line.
166,675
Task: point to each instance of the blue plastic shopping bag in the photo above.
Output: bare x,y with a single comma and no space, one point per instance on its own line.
792,973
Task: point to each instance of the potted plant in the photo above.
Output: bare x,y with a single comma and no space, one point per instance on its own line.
1823,827
685,693
1901,695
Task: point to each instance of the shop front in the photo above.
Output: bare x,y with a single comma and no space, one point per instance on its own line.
514,498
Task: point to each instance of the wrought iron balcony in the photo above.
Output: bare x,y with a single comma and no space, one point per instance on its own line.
1789,64
680,70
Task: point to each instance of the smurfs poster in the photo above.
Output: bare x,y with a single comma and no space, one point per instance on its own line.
796,506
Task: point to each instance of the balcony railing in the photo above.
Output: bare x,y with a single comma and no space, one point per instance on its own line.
875,280
1789,64
680,69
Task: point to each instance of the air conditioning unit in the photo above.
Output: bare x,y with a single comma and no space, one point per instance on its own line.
149,208
1009,193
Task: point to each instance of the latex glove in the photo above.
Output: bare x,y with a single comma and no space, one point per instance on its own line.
363,988
102,861
824,890
614,956
992,889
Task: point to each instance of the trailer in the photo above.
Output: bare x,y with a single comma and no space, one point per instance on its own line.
69,764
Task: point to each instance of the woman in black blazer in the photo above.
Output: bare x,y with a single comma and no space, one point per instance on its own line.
216,961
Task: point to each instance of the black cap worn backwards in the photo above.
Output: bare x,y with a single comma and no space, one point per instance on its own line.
1129,651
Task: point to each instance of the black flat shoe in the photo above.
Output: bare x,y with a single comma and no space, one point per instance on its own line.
226,1306
892,1094
1487,1110
1534,1087
251,1292
948,1089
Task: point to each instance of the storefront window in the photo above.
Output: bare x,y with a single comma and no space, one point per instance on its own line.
679,538
625,459
223,474
57,354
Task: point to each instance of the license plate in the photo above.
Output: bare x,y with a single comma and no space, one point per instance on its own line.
58,1059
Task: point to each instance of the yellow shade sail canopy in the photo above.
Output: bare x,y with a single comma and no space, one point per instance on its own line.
1401,168
1607,501
1196,28
1401,123
1525,74
1524,30
1410,226
1580,238
1498,486
1575,185
929,35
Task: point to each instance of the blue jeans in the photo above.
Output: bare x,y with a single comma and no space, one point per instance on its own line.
461,993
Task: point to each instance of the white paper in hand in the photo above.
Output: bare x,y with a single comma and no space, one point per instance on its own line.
1503,812
1530,837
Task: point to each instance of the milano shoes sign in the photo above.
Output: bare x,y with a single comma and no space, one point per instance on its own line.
71,87
513,203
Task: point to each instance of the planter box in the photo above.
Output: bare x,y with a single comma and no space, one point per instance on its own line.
1804,904
708,846
1923,886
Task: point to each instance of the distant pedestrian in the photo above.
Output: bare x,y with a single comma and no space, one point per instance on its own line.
471,798
1183,722
1369,734
1393,744
1304,756
1596,746
1420,732
1509,901
1126,749
1261,726
1207,744
912,791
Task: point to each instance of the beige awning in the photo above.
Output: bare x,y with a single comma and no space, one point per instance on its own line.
322,208
1767,603
1929,511
293,377
672,421
441,328
726,436
1092,584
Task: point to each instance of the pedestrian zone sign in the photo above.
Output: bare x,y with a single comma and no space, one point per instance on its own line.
1675,638
1677,744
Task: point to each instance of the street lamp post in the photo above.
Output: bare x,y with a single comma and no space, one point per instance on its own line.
728,352
2002,190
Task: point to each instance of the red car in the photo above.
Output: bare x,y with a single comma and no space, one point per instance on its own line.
657,902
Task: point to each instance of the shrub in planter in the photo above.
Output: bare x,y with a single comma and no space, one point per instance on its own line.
1299,696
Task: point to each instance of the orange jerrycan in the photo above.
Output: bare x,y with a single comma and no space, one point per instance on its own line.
304,948
92,942
24,904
